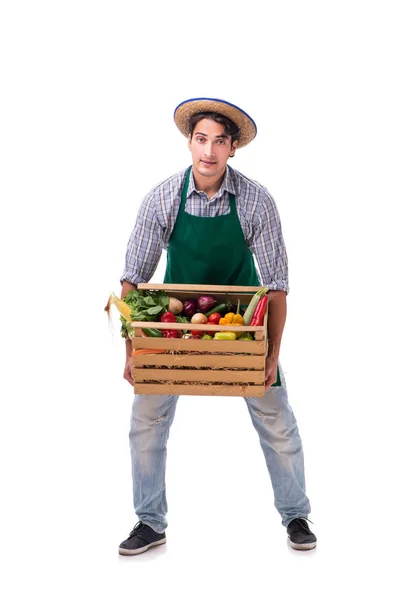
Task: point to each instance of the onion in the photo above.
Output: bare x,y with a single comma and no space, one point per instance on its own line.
198,319
206,303
189,308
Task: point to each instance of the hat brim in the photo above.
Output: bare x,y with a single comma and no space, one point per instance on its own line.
188,108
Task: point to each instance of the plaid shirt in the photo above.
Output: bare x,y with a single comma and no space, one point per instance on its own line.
257,214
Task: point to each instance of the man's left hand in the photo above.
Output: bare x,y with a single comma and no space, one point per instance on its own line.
271,366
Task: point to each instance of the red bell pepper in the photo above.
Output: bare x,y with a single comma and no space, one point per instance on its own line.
258,316
168,317
172,333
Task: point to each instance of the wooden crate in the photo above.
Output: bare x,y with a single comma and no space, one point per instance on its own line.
235,368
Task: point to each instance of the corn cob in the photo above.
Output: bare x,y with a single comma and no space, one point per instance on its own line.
122,306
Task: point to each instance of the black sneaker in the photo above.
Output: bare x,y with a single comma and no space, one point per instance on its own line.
141,538
300,536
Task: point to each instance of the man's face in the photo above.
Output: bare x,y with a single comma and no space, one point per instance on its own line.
210,148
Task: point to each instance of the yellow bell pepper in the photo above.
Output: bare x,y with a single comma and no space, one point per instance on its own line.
231,318
227,319
237,320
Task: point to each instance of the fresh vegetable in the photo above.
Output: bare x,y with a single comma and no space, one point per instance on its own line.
196,332
246,336
252,305
146,305
225,335
180,319
232,318
258,315
199,318
127,331
227,319
149,351
171,333
214,318
175,306
150,332
138,305
238,319
189,308
221,308
168,317
207,337
122,306
206,303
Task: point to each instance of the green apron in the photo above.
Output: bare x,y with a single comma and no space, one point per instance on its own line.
210,250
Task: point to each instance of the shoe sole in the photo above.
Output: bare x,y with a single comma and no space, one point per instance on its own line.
308,546
127,552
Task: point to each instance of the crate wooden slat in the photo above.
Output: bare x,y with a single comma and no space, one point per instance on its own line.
203,360
201,367
200,390
212,375
252,347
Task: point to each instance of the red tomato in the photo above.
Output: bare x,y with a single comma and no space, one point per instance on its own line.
214,318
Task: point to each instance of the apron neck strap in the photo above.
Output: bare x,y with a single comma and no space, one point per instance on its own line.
185,191
186,187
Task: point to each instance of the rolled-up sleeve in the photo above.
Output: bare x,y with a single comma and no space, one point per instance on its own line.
144,246
268,246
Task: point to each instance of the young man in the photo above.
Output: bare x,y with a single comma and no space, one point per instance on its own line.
241,222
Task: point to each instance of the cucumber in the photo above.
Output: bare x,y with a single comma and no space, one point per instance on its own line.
152,332
221,308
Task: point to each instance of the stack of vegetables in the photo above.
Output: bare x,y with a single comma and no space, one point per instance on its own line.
156,305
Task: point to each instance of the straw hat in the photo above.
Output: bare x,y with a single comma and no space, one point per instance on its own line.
188,108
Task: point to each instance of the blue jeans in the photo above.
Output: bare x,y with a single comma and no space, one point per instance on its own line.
275,423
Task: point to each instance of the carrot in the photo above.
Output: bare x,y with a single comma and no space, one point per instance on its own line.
149,351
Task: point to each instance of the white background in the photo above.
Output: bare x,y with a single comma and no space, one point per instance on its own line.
88,93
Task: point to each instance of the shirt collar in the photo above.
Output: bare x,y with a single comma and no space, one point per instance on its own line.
227,184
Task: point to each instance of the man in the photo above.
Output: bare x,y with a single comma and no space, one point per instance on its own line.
202,212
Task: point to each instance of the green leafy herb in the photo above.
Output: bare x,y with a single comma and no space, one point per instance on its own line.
145,306
182,319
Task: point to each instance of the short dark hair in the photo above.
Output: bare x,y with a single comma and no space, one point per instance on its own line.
230,128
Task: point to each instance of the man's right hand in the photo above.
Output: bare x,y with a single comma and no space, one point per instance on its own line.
128,370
